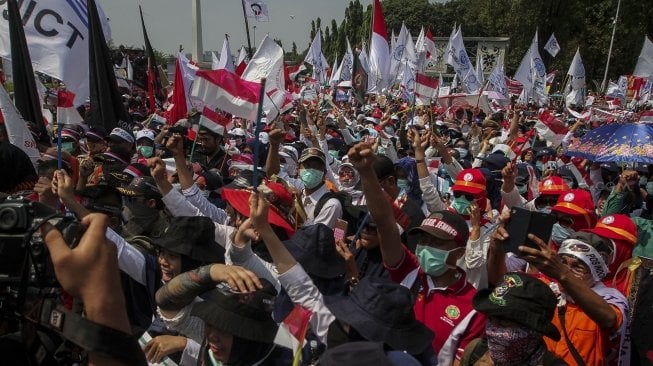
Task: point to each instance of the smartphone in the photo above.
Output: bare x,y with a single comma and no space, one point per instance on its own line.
340,230
524,222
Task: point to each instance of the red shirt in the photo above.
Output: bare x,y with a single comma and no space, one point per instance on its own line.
441,309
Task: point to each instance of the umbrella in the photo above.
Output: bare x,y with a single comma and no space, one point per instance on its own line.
616,142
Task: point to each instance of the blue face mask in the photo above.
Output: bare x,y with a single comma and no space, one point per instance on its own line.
522,188
538,165
560,233
146,151
649,188
333,153
311,177
643,181
462,151
67,147
403,185
461,205
389,130
433,260
544,209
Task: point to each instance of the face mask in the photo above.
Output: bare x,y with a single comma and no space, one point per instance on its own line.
649,188
545,209
559,233
461,205
433,260
146,151
538,165
462,151
523,189
403,185
389,130
515,345
643,181
333,153
311,177
205,193
67,147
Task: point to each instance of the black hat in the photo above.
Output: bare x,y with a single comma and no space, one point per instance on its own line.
382,311
545,151
141,186
101,197
496,161
365,354
314,248
244,315
523,299
193,237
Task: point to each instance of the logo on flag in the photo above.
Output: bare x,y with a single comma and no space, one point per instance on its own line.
258,10
552,46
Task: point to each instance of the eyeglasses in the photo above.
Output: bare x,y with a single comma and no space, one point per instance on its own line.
469,197
565,221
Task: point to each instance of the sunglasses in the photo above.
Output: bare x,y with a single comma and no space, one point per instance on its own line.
469,197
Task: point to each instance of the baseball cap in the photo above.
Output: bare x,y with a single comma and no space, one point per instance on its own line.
312,153
445,225
147,134
120,135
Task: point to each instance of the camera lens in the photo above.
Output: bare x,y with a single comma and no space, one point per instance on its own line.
8,218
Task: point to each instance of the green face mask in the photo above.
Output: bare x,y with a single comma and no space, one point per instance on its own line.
311,177
432,260
333,153
146,151
461,205
67,147
403,185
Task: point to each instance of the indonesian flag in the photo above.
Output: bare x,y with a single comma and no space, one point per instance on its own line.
379,57
242,61
217,122
66,112
585,116
429,46
550,128
292,330
646,116
227,91
291,72
182,101
16,126
613,104
426,87
514,86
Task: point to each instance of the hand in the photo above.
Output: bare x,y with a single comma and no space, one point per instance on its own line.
343,249
162,346
544,258
276,135
43,186
509,174
420,142
628,178
157,169
362,157
62,185
175,145
238,278
341,121
475,215
245,233
86,168
258,210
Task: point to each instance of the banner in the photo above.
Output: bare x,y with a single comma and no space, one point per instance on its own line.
57,37
257,9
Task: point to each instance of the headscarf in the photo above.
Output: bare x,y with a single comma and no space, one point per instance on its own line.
409,165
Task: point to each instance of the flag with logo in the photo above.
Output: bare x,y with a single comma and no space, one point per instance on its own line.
267,63
397,53
379,57
17,131
577,72
26,96
315,58
532,74
497,80
346,65
257,9
457,57
58,44
407,84
552,46
359,79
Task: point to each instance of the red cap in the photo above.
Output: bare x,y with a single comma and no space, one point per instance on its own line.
616,227
554,186
577,202
470,181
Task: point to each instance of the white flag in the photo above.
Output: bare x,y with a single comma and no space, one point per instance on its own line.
17,130
410,53
479,69
644,67
257,9
397,53
346,67
497,80
364,59
457,57
379,57
552,46
215,61
577,72
315,58
226,61
267,63
532,74
335,73
57,38
407,82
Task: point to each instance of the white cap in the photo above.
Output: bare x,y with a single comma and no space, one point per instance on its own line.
238,132
122,134
147,134
264,137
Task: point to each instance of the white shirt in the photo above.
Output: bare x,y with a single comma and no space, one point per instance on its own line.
331,210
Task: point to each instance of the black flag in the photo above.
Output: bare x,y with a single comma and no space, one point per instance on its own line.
26,97
107,109
359,80
153,83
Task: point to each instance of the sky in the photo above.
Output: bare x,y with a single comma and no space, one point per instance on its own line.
168,22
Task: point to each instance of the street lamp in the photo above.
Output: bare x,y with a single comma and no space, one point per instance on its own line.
254,35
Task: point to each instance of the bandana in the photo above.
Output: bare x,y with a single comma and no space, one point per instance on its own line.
588,255
514,345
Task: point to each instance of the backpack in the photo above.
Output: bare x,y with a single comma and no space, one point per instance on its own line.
351,213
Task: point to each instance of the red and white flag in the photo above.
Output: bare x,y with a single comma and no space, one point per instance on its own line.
182,101
293,328
379,58
66,112
217,122
227,91
646,116
429,46
550,128
426,87
242,61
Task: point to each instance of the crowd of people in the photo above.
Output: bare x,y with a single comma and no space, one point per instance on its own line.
382,226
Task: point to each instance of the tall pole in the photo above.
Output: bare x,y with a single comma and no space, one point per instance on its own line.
607,64
254,34
249,43
198,53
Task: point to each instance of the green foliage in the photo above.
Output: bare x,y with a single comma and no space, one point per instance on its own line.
577,23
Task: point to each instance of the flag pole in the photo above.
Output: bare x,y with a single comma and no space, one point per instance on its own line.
192,149
257,131
249,43
607,63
